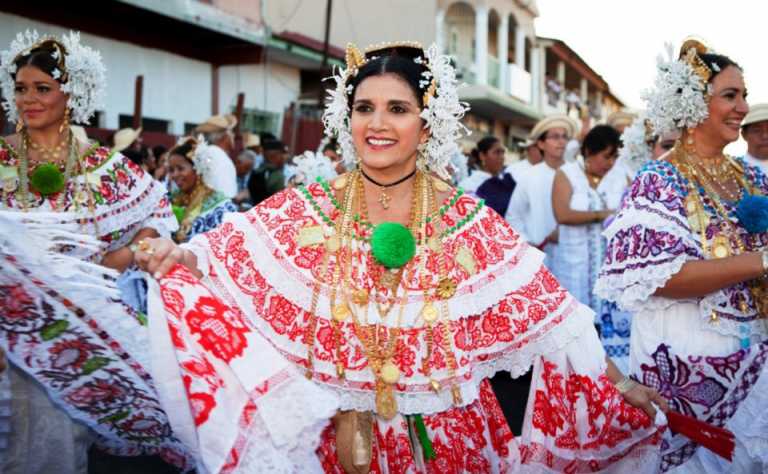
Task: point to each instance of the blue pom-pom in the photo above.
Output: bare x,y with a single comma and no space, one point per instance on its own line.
752,212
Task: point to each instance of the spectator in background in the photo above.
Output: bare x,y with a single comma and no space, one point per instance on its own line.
247,161
491,182
532,157
161,161
269,178
197,204
530,209
244,165
755,131
127,138
217,132
581,202
331,150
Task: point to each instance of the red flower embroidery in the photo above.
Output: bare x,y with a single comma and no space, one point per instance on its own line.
201,405
70,354
97,392
16,302
221,329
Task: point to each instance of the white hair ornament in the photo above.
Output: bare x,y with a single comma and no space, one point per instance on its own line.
442,109
84,74
636,150
680,94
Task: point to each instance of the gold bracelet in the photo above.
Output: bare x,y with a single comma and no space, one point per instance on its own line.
625,385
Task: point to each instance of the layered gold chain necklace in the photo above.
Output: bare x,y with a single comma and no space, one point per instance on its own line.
379,340
727,241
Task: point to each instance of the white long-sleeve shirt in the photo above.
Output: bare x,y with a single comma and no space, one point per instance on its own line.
530,210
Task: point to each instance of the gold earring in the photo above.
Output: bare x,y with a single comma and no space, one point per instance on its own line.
65,123
19,125
690,136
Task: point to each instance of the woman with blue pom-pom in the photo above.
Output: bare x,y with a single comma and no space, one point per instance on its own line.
687,255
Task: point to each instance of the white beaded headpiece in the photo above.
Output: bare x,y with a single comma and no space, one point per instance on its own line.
680,94
442,109
81,72
636,148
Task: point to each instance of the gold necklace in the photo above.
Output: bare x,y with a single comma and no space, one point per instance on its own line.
24,170
193,203
48,154
722,244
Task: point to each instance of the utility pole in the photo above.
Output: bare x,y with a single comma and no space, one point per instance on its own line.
139,91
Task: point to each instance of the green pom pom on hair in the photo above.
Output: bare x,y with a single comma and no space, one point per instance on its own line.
47,179
392,244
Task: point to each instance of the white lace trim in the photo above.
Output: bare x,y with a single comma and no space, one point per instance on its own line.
632,289
518,268
284,440
123,214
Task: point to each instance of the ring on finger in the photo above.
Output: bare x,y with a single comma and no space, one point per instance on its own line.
145,247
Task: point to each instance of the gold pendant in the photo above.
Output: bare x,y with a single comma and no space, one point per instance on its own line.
429,313
333,243
446,288
388,279
310,235
360,297
340,183
340,312
721,247
340,369
386,404
390,373
384,199
435,385
440,185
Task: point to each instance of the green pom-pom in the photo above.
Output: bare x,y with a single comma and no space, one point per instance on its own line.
47,179
393,244
179,212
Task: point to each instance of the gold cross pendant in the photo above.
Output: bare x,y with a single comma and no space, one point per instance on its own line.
384,200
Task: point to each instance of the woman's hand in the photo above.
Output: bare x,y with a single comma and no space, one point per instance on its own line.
159,256
642,397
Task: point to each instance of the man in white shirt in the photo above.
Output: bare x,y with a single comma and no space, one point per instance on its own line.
519,169
530,208
755,132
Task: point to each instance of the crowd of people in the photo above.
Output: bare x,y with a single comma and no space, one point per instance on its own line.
384,304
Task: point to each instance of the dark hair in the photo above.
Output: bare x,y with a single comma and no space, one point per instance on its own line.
717,63
41,57
158,151
484,145
184,149
331,145
134,155
272,145
600,138
398,61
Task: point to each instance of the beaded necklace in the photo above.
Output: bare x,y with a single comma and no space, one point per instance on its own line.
727,242
24,175
380,341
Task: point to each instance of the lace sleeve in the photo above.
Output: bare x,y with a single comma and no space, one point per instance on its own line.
648,242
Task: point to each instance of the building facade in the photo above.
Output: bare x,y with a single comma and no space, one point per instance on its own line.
197,58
